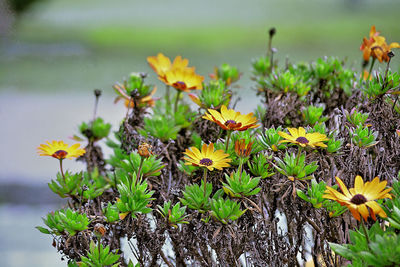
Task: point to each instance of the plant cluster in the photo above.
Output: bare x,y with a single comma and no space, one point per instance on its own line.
212,186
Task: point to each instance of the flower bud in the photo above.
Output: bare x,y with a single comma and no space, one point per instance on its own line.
272,32
241,149
99,230
97,92
144,150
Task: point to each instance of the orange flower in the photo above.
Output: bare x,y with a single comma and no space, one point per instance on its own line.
361,198
162,64
376,46
229,119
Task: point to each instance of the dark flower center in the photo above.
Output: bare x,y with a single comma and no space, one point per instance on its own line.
180,85
302,140
206,161
60,154
228,122
358,199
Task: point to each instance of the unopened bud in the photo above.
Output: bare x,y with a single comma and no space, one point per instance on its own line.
97,92
272,32
144,150
143,75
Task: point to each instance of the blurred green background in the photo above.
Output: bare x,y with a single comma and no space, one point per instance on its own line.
56,52
80,45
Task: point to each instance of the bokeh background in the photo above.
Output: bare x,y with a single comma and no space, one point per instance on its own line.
53,53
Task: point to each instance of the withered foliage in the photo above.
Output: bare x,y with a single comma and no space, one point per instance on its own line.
274,231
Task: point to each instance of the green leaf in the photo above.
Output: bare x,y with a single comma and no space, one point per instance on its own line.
43,230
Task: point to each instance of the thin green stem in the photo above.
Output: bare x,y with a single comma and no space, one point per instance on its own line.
298,155
385,82
61,169
139,174
271,60
370,68
205,181
365,231
98,244
178,95
269,51
394,102
240,168
228,137
167,97
96,102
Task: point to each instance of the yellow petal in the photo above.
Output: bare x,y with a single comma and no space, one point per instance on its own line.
359,185
343,187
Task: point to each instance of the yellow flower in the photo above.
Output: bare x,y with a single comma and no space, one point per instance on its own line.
184,79
376,46
207,157
60,150
162,64
361,198
231,120
300,137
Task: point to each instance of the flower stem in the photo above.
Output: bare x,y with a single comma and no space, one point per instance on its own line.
240,168
96,102
205,181
394,102
365,231
138,176
167,96
61,169
99,248
370,69
298,155
385,82
228,137
176,100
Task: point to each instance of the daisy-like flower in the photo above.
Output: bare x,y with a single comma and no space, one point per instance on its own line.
376,46
60,150
303,139
230,120
207,157
361,198
184,79
162,64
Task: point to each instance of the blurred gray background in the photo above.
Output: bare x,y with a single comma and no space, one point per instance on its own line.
54,53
